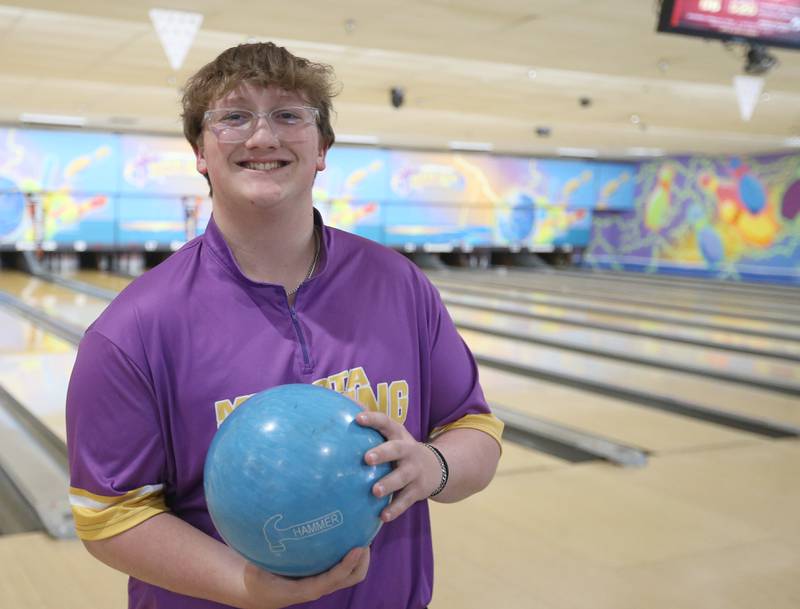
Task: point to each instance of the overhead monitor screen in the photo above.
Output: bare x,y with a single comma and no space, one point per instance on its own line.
768,22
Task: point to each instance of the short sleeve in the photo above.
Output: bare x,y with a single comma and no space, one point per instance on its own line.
114,441
457,399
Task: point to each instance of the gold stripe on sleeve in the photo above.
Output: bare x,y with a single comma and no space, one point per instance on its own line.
99,517
487,423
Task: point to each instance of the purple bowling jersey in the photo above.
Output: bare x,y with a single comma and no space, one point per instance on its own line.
193,338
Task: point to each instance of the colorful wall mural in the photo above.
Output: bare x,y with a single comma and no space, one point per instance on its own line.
732,217
728,217
112,190
416,198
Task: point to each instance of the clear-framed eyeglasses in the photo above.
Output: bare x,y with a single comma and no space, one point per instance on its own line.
234,125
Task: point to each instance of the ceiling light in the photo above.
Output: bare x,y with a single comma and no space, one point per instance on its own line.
350,138
636,119
481,146
639,151
532,74
792,142
578,152
126,121
53,119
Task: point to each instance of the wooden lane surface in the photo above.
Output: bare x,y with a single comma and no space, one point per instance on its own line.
711,393
34,365
35,368
617,420
775,292
666,297
637,316
100,279
37,572
777,297
784,347
58,301
766,369
715,529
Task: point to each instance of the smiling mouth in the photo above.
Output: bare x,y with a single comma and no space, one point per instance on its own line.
263,166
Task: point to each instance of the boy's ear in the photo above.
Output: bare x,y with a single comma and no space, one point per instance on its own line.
321,158
200,159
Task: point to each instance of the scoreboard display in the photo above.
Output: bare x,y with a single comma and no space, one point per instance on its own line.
769,22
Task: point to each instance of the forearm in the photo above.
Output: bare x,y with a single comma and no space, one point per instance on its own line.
172,554
472,458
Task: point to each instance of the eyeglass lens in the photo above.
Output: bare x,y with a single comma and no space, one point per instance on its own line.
235,125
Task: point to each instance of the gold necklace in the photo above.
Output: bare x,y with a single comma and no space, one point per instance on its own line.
313,264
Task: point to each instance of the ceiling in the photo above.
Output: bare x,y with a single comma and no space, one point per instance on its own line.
471,72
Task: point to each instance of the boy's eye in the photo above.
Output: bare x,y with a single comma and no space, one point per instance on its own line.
236,117
286,115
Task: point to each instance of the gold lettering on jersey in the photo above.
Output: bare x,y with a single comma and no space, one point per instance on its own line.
337,381
390,398
223,408
398,400
357,378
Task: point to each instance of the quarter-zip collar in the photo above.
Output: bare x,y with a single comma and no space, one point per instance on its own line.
219,248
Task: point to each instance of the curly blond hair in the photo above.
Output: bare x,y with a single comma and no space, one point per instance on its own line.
266,64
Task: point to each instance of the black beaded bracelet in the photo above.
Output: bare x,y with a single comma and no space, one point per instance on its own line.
443,465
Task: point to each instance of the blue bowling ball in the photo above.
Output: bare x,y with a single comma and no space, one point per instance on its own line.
518,219
286,482
12,207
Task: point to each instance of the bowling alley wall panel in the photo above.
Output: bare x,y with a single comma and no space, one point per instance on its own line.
60,189
728,217
732,217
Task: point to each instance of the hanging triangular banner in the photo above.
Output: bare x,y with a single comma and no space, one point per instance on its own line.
748,90
176,31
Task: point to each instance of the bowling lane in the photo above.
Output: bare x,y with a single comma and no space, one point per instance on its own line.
35,368
766,295
57,301
37,572
100,279
715,394
658,352
651,430
517,458
709,529
666,299
777,347
678,298
772,296
771,292
586,303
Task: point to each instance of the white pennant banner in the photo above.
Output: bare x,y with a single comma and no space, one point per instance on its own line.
176,31
748,90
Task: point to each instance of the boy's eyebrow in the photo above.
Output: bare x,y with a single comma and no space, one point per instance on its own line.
283,95
232,98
